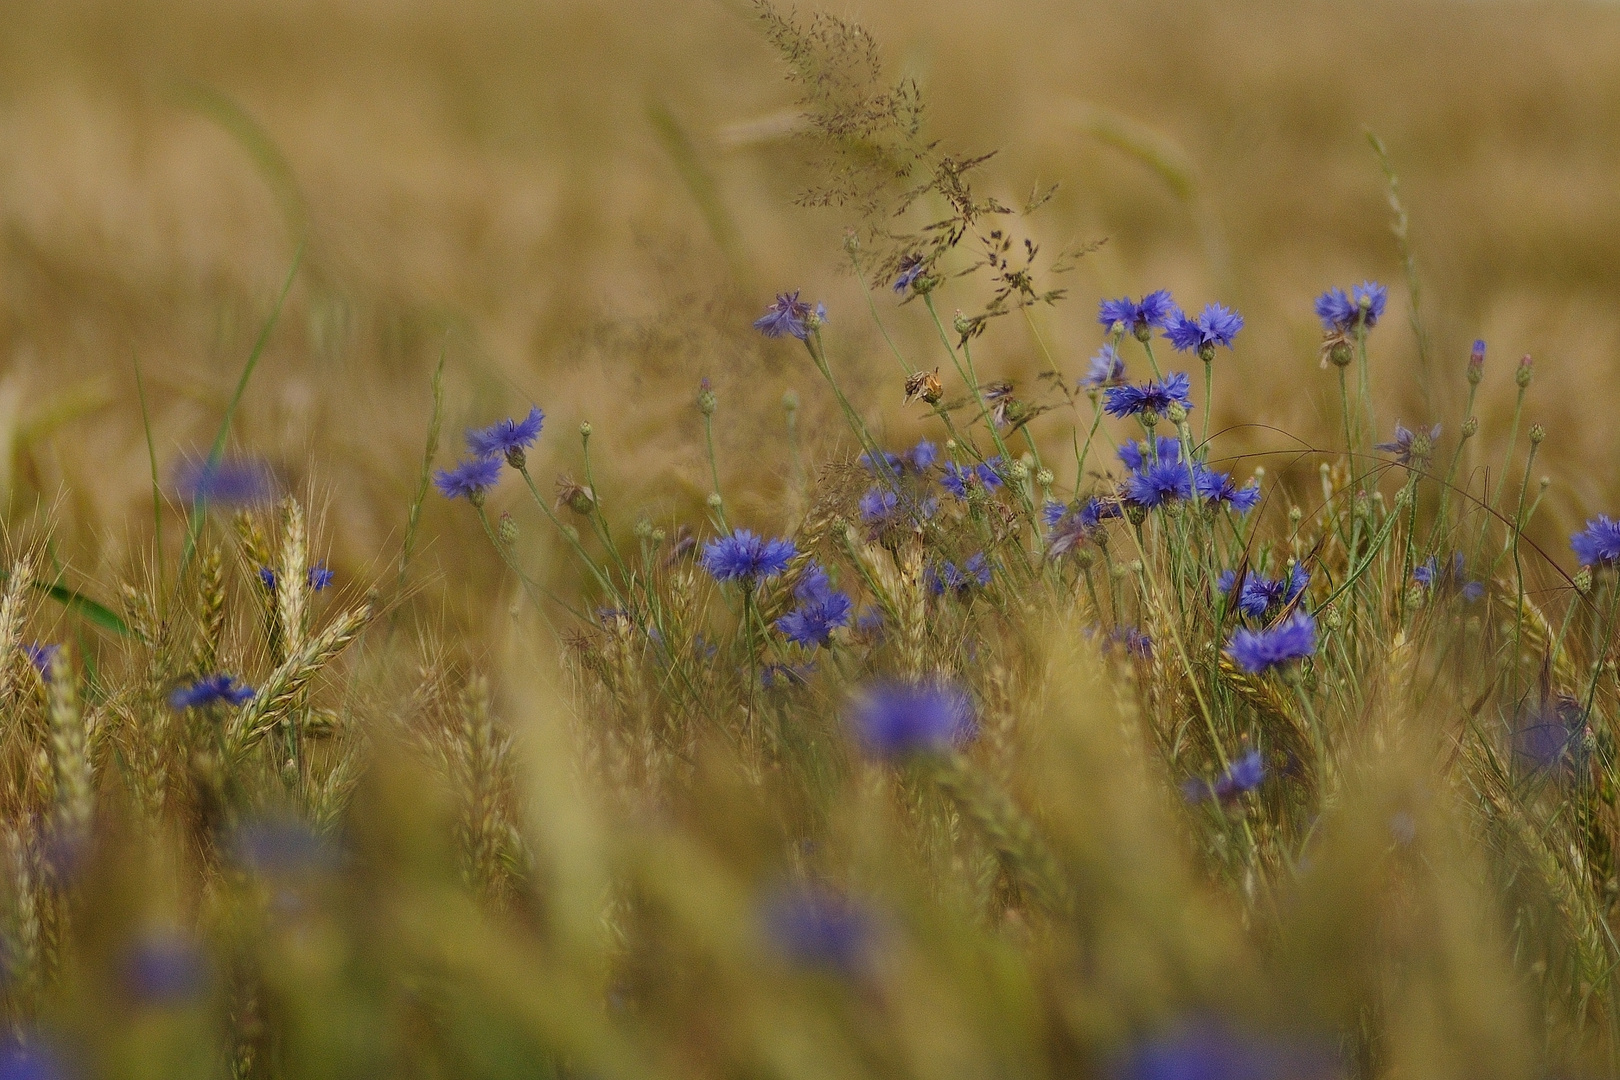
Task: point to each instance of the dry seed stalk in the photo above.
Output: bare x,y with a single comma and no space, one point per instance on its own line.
12,610
281,690
75,796
292,590
210,611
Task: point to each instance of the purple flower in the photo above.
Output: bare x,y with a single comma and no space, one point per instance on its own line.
207,690
958,479
226,482
814,927
42,657
1244,774
1072,525
1158,483
469,480
877,466
821,609
899,719
164,967
911,268
1406,442
1553,735
921,458
746,557
948,577
1135,454
788,317
1220,487
1215,325
1133,640
1137,318
1599,542
318,577
1259,650
1341,313
878,505
1438,578
1204,1050
281,846
507,438
1261,595
1107,368
1151,396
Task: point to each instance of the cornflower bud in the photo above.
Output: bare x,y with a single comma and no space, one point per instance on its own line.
950,446
1017,470
1135,513
1084,558
1422,448
1295,516
1339,353
1476,364
1332,617
1544,483
1470,427
644,529
1142,331
507,529
658,536
1150,420
962,324
1045,477
1118,571
706,400
585,429
713,500
1177,413
790,401
1527,368
1583,580
1537,434
852,241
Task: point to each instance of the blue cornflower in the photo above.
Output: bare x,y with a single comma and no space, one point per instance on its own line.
888,464
1599,542
1107,368
1133,455
1341,312
815,927
1053,512
508,438
746,557
1216,325
226,482
1137,318
1259,650
1432,575
1157,483
42,657
318,577
1151,396
959,478
469,480
1408,446
209,689
789,317
948,577
898,719
1220,487
821,609
878,505
164,967
921,458
1244,774
1203,1050
1261,595
1134,640
1553,735
911,268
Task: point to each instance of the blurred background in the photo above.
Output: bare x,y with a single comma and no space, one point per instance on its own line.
583,204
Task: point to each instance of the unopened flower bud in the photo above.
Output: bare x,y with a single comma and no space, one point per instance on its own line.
714,500
507,529
1332,617
1583,580
1295,515
1045,477
1339,353
852,241
1470,427
1084,558
1177,413
1016,470
1538,434
706,400
658,536
1149,418
1135,513
1544,483
585,429
950,446
1527,367
1476,364
962,324
790,401
644,529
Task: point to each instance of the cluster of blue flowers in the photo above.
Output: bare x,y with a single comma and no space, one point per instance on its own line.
1260,596
509,439
317,577
948,577
821,610
1158,475
1359,309
1441,579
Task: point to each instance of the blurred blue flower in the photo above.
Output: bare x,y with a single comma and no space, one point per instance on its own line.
878,505
911,268
1215,325
164,967
921,458
42,657
1448,579
786,317
1133,639
746,557
1151,396
468,480
1135,454
898,719
209,689
281,846
318,577
1599,542
958,479
948,577
226,482
1137,317
1553,736
1244,774
1107,367
1204,1050
1341,312
1405,440
817,928
506,437
35,1061
1258,650
821,609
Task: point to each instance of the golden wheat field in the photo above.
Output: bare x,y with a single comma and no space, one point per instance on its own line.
583,205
